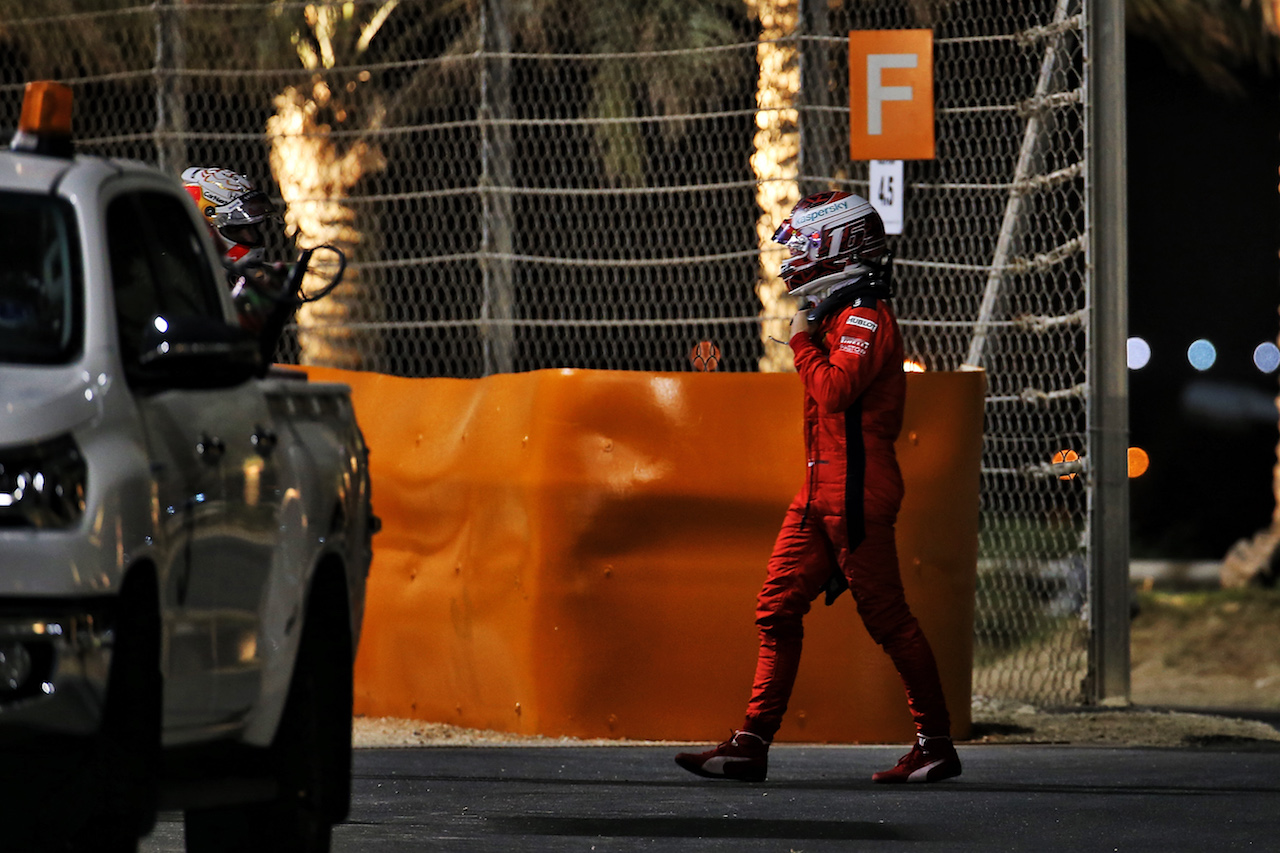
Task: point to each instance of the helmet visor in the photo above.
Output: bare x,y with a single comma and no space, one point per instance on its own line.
784,232
798,244
244,235
248,209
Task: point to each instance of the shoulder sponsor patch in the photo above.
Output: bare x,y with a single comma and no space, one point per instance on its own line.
857,346
869,325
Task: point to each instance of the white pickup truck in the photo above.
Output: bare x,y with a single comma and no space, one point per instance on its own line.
185,534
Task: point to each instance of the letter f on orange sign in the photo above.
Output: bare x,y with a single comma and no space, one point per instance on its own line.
891,95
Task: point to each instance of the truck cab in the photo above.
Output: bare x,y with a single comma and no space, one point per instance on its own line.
185,533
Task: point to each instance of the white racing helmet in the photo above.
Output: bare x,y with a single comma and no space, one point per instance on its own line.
234,210
834,238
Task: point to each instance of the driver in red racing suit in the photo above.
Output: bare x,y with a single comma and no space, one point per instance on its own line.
839,530
238,214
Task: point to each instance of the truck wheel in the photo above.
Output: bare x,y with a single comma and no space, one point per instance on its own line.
311,754
125,759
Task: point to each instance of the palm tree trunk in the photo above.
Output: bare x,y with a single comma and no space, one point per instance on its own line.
775,162
315,180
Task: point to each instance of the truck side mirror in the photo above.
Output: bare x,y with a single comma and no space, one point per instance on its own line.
291,297
194,352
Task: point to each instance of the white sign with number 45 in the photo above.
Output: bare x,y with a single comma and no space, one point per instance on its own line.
886,193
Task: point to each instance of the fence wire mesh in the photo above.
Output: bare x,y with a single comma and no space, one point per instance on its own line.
591,184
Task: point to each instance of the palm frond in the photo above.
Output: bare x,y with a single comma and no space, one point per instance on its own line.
1218,41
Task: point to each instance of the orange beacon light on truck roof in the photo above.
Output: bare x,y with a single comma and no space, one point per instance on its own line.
45,124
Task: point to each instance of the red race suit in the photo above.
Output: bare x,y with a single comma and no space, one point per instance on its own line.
843,517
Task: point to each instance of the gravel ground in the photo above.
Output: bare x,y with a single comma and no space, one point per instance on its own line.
1121,727
1014,724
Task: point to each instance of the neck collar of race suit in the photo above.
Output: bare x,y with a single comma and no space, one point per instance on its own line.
864,287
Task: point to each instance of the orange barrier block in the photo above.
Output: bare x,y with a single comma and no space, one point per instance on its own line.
578,552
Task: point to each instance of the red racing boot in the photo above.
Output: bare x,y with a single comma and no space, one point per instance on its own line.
932,759
743,758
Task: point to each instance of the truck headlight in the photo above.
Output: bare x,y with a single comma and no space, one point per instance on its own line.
42,485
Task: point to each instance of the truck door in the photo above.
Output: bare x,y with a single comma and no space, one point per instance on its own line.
215,477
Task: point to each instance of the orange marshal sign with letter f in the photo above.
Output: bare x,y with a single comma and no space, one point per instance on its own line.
891,95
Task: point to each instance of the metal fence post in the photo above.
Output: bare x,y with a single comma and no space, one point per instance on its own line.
171,87
817,163
495,187
1108,680
1013,206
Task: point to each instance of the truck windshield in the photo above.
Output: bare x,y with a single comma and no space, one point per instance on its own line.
39,280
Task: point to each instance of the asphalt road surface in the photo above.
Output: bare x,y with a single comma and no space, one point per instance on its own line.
1014,798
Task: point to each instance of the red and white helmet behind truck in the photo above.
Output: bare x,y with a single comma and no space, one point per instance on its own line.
834,238
235,211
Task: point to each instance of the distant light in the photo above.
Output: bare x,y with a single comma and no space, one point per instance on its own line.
1139,353
1139,462
1202,354
1266,357
912,365
161,324
1065,456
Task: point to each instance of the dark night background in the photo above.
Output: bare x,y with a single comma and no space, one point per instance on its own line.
1204,213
